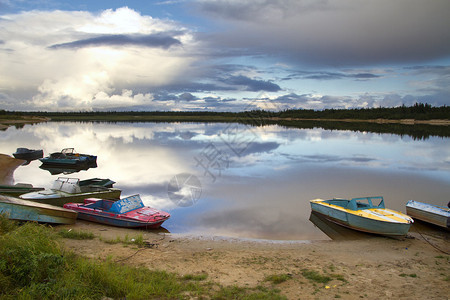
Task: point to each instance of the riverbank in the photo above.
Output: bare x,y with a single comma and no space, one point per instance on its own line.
20,121
372,268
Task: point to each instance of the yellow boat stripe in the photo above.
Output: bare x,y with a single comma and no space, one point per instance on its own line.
386,215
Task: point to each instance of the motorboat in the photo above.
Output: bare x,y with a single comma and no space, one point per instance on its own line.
129,212
367,214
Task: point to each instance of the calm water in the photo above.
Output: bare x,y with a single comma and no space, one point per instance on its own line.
237,181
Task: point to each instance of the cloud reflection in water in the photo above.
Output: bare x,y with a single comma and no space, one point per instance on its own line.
263,192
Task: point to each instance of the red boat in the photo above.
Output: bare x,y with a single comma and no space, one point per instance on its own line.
128,212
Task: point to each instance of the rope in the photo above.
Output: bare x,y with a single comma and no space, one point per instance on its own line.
434,246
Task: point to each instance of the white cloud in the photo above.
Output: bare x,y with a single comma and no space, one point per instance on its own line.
79,78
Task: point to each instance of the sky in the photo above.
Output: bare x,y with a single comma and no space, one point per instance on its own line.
222,55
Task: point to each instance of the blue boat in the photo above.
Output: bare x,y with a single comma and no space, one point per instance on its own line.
69,158
367,214
22,210
433,214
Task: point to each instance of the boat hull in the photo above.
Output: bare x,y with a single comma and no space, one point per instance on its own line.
362,223
62,198
128,212
429,213
18,189
126,223
18,209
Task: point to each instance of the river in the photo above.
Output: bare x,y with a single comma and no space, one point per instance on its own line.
235,180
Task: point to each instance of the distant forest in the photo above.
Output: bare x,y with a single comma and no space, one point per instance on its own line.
418,111
378,120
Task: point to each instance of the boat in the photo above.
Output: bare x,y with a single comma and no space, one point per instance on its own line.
18,189
68,157
28,154
23,210
367,214
65,190
429,213
128,212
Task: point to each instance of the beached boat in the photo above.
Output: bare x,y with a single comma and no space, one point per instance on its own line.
367,214
68,157
28,154
434,214
18,189
65,190
23,210
128,212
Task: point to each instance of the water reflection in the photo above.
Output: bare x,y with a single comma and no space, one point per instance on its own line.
55,170
256,182
336,231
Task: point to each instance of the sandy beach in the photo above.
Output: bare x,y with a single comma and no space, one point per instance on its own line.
414,267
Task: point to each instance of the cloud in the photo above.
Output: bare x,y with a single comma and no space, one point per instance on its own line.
336,33
252,84
151,40
78,60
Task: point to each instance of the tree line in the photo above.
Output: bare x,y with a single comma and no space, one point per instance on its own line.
418,111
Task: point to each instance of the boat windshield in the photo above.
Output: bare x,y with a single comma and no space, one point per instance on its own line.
68,150
369,202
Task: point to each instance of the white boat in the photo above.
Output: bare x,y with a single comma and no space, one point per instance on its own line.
65,190
434,214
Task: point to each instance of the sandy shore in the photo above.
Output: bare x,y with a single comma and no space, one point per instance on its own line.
372,268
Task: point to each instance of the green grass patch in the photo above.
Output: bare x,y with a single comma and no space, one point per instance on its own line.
137,240
278,278
413,275
34,265
76,234
195,277
316,276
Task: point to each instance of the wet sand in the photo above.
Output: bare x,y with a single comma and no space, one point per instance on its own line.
370,268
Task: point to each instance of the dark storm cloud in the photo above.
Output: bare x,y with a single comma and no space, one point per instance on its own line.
332,76
337,33
252,84
164,41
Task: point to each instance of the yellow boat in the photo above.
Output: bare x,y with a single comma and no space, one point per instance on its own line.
367,214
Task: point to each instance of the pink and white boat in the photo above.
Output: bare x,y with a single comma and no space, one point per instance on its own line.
128,212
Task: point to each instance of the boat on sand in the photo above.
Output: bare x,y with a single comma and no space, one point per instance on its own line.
128,212
65,190
23,210
430,213
367,214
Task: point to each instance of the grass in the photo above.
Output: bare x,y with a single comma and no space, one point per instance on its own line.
76,234
278,278
34,265
137,240
195,277
316,276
